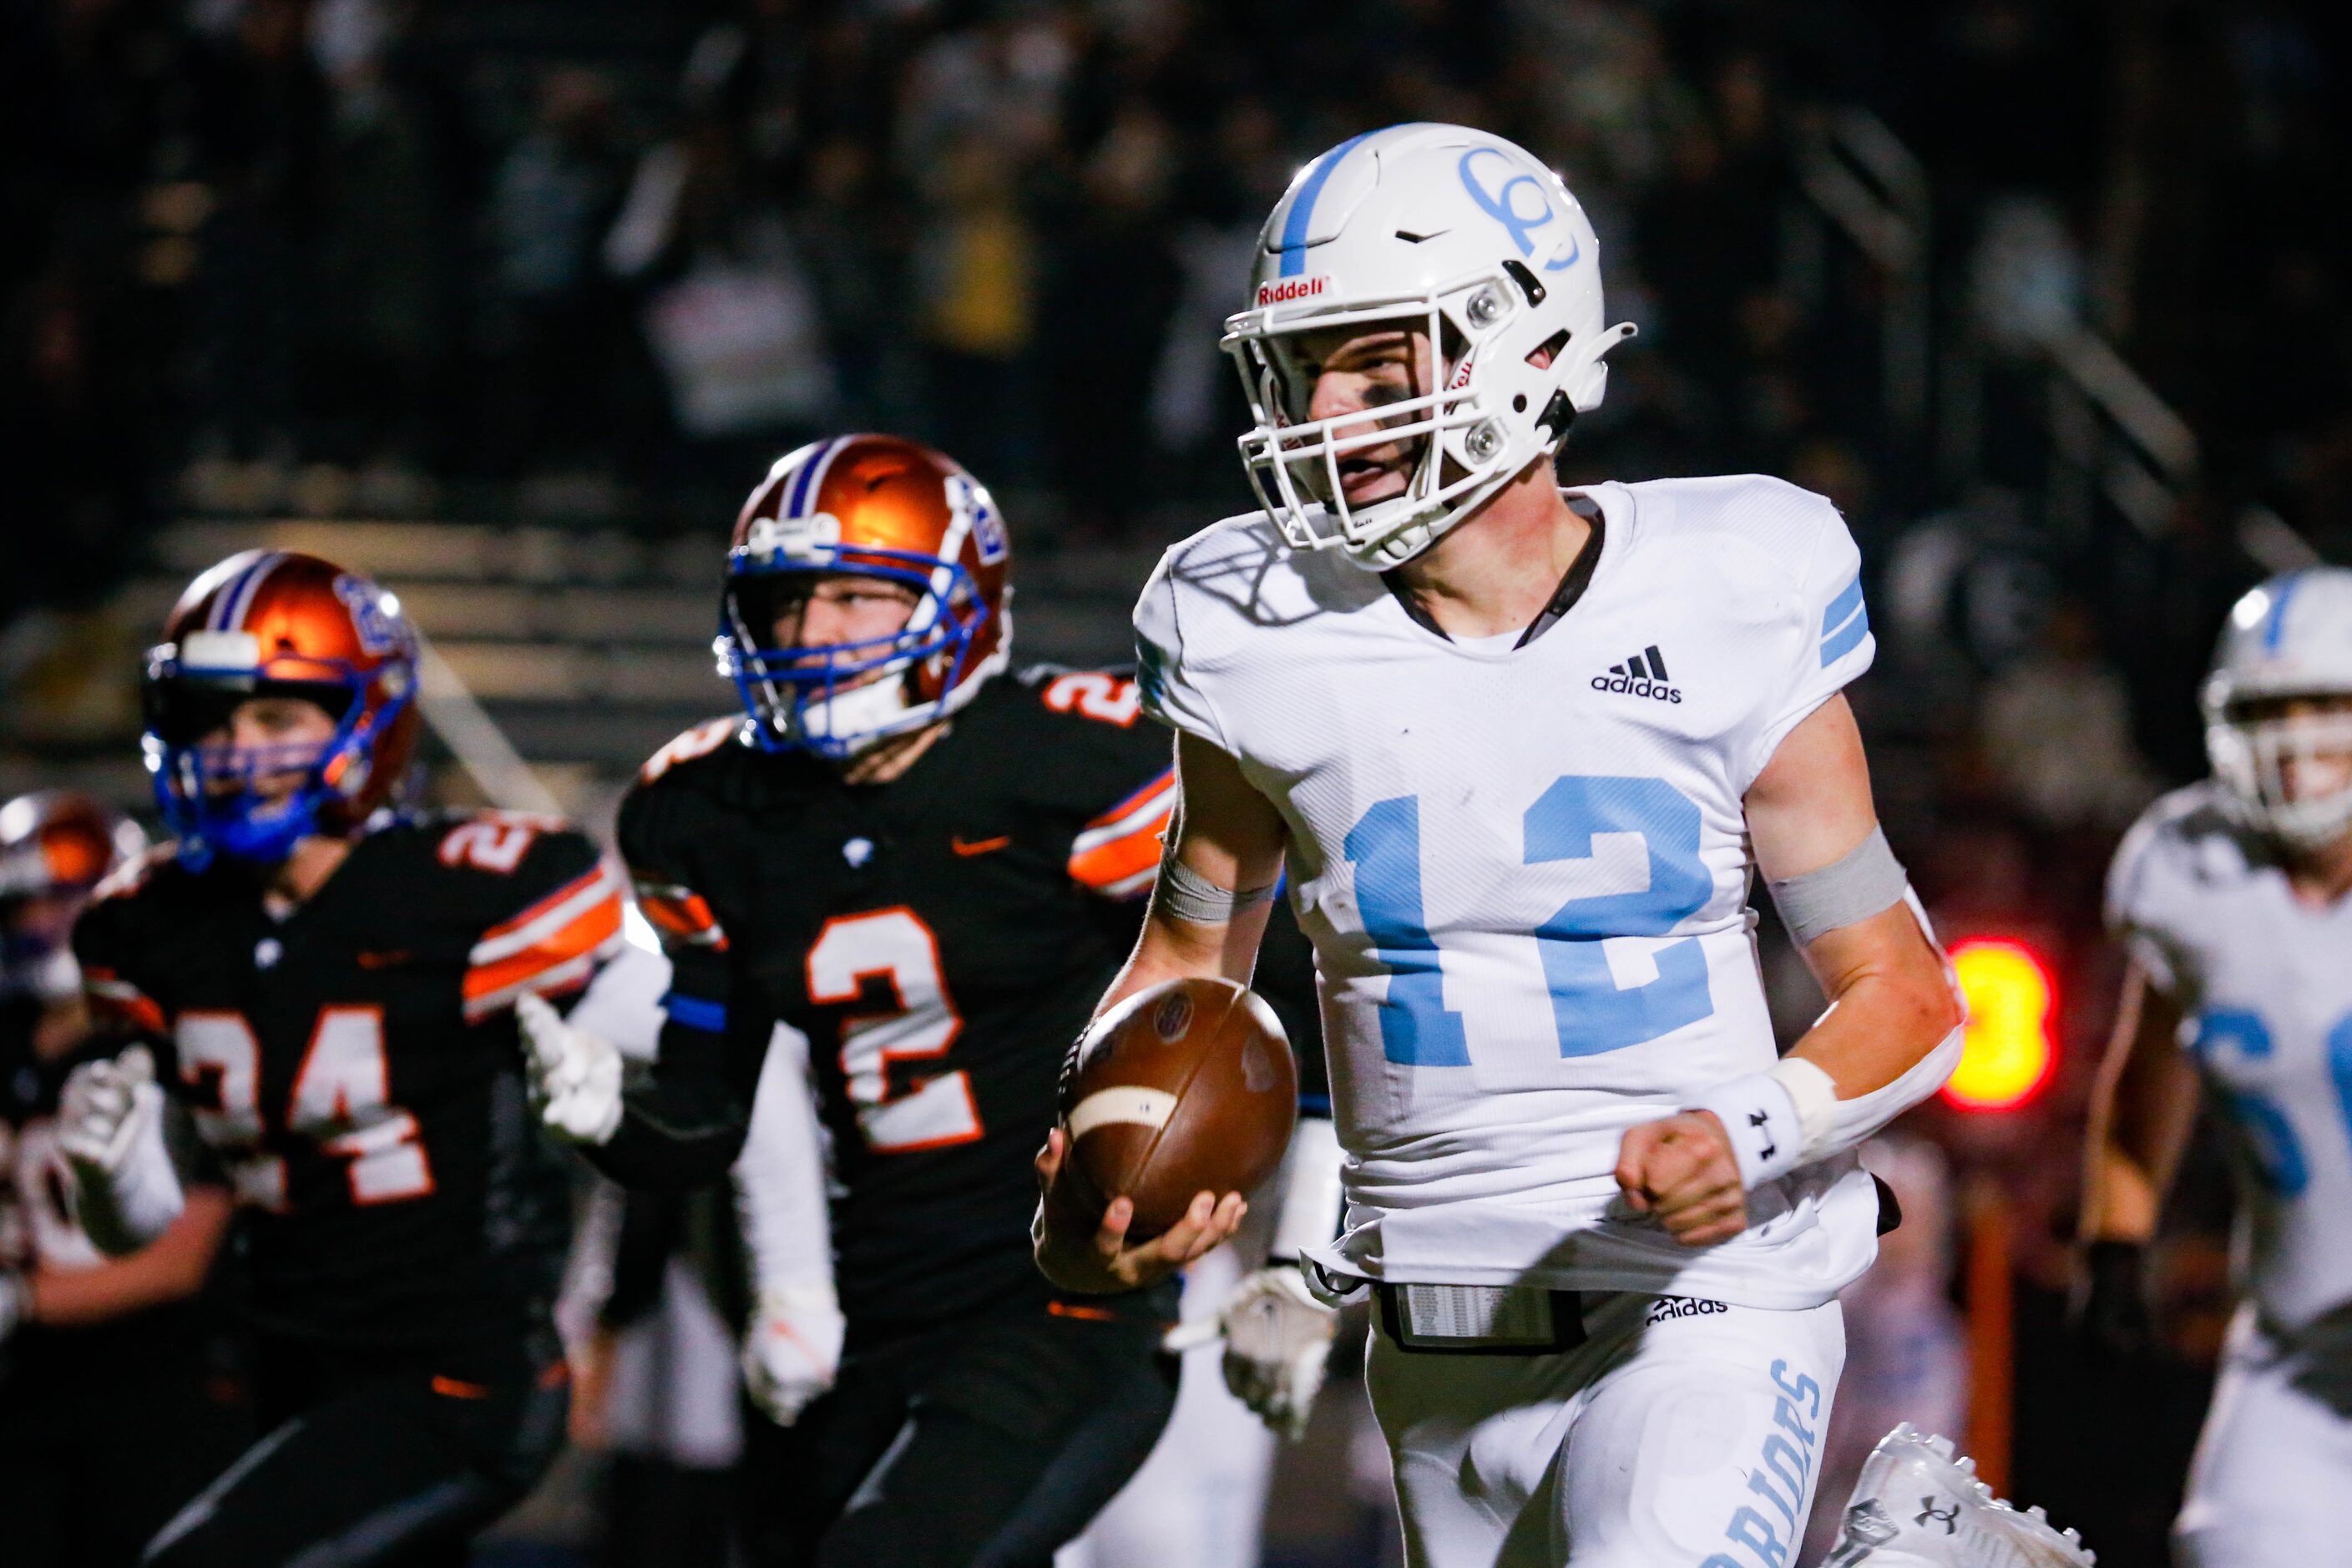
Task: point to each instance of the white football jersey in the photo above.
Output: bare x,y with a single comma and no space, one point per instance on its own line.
1525,871
2264,987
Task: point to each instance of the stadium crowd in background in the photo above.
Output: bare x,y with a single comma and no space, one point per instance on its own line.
594,262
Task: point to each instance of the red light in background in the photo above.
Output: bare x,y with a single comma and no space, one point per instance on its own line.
2009,1051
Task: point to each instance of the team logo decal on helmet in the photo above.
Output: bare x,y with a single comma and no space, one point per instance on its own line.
1444,231
2289,638
273,623
1502,204
872,506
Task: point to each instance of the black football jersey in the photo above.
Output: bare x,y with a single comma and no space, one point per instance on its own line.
939,939
356,1066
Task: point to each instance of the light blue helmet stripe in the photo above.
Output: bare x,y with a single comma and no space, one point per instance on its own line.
2275,632
1302,208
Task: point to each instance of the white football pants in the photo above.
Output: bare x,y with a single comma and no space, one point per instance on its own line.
1680,1431
2272,1483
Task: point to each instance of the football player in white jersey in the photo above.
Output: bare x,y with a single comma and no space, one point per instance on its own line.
1521,749
2232,897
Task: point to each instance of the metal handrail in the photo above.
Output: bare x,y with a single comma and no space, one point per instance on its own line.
458,718
1874,188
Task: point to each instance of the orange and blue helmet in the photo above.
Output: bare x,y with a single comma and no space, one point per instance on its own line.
55,846
874,506
274,623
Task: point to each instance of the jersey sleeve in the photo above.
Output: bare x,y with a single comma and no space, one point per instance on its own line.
684,1121
1111,774
1833,644
565,900
1167,674
106,946
2140,913
1117,854
662,850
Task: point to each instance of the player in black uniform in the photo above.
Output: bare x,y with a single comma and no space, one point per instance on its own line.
111,1415
328,983
918,862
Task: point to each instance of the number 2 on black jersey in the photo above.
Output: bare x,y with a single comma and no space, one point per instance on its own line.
897,946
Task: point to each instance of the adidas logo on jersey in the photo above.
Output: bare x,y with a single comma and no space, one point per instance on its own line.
1636,677
1666,1307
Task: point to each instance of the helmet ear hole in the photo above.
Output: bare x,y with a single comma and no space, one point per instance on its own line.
1558,415
1525,279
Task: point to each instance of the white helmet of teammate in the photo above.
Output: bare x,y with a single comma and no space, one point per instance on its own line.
2290,637
1445,230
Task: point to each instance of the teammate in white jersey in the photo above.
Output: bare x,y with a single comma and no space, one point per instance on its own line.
2232,897
1522,749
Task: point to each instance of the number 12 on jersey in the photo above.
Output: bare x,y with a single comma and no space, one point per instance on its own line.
1569,821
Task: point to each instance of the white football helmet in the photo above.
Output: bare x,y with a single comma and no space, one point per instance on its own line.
2290,637
1441,229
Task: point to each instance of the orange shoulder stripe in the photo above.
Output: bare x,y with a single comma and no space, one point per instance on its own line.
1118,854
556,959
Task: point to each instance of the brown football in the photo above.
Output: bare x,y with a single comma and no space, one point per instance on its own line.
1183,1089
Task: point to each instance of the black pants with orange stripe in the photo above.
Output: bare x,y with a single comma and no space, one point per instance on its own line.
374,1458
986,1442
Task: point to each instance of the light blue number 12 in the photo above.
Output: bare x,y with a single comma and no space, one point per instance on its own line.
1590,1012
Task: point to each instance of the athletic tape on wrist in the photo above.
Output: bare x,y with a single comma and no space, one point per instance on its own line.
1864,881
1814,1095
1188,895
1760,1116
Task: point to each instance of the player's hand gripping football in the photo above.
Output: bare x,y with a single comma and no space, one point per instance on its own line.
1103,1262
576,1075
792,1349
1681,1171
1277,1337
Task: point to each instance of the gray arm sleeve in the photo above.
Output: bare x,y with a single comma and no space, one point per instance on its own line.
1861,883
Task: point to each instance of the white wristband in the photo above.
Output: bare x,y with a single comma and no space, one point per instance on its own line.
1760,1116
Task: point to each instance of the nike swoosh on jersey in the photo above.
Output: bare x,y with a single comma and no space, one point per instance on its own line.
969,847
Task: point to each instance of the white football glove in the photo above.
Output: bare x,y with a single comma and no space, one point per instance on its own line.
576,1076
1277,1339
792,1349
110,1130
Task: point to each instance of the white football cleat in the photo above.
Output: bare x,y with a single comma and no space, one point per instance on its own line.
1916,1505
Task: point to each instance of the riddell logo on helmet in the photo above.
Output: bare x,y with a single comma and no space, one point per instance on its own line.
1293,288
